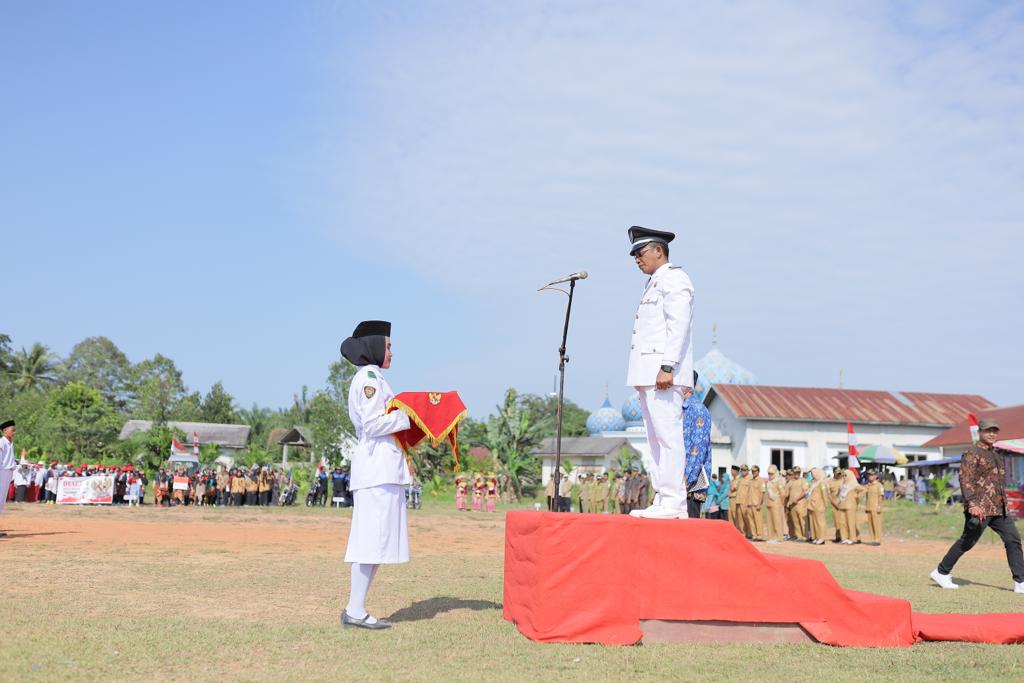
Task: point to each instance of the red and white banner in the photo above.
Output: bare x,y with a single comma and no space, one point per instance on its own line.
180,484
972,423
95,490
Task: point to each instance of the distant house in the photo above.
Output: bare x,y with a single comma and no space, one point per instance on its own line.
806,426
231,439
955,440
588,454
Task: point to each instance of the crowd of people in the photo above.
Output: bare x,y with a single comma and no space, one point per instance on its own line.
480,491
37,482
790,505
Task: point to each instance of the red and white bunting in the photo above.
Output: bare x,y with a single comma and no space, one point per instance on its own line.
972,421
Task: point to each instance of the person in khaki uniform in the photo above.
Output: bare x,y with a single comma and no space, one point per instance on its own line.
874,494
833,494
774,491
849,492
604,490
796,505
742,484
755,499
817,503
735,515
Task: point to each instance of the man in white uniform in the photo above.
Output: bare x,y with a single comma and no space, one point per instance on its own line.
661,368
379,534
6,462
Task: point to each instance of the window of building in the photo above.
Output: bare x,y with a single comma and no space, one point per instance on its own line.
782,458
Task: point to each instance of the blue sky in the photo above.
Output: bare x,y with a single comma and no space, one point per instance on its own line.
236,184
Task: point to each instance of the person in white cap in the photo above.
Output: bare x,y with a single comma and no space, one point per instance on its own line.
7,463
379,533
661,368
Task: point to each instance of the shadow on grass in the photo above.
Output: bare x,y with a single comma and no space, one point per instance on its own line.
428,609
12,534
968,582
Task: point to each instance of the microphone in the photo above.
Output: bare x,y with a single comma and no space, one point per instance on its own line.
582,275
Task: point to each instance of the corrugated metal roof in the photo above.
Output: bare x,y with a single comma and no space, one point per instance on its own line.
1010,419
228,436
582,445
848,405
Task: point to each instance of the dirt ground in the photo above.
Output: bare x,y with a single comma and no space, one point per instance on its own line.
254,594
304,532
240,531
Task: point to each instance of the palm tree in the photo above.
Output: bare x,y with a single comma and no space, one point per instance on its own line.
625,459
33,370
511,436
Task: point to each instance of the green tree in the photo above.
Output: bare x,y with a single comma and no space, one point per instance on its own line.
218,406
260,419
158,389
33,370
97,363
151,449
512,435
939,491
329,424
189,408
34,424
83,424
543,409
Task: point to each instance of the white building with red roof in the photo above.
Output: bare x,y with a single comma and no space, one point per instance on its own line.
807,427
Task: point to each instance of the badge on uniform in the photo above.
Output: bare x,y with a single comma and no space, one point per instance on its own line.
369,391
369,373
434,398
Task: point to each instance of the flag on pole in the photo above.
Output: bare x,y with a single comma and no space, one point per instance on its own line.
852,450
195,444
177,447
972,421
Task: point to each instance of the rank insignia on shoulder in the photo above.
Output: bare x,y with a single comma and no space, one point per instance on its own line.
369,373
369,391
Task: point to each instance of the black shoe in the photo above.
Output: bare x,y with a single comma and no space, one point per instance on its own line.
2,534
351,622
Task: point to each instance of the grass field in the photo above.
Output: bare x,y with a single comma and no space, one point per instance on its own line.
254,594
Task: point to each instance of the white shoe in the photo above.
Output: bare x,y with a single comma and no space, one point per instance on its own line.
659,512
946,581
1018,587
640,513
847,542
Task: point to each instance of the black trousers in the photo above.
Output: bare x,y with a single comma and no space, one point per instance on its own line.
236,498
973,529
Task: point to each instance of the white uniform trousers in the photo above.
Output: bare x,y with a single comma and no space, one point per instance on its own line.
666,465
380,534
5,483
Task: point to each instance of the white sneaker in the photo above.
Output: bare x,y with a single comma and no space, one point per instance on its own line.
659,512
640,513
1018,587
946,581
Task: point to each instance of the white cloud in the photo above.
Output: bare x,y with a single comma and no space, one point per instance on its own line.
816,161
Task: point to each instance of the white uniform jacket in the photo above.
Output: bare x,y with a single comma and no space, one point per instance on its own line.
6,455
377,459
662,331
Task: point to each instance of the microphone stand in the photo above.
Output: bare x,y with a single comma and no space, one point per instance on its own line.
562,360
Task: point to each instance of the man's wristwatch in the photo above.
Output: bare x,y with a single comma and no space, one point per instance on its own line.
668,368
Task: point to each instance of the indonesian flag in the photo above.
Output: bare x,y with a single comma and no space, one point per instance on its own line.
195,444
433,416
176,446
851,438
972,422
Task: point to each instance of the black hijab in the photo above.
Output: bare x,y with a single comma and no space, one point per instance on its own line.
368,344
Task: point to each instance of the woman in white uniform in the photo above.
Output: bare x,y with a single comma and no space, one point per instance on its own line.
379,532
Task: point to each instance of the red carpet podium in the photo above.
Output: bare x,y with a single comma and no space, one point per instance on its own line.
617,580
